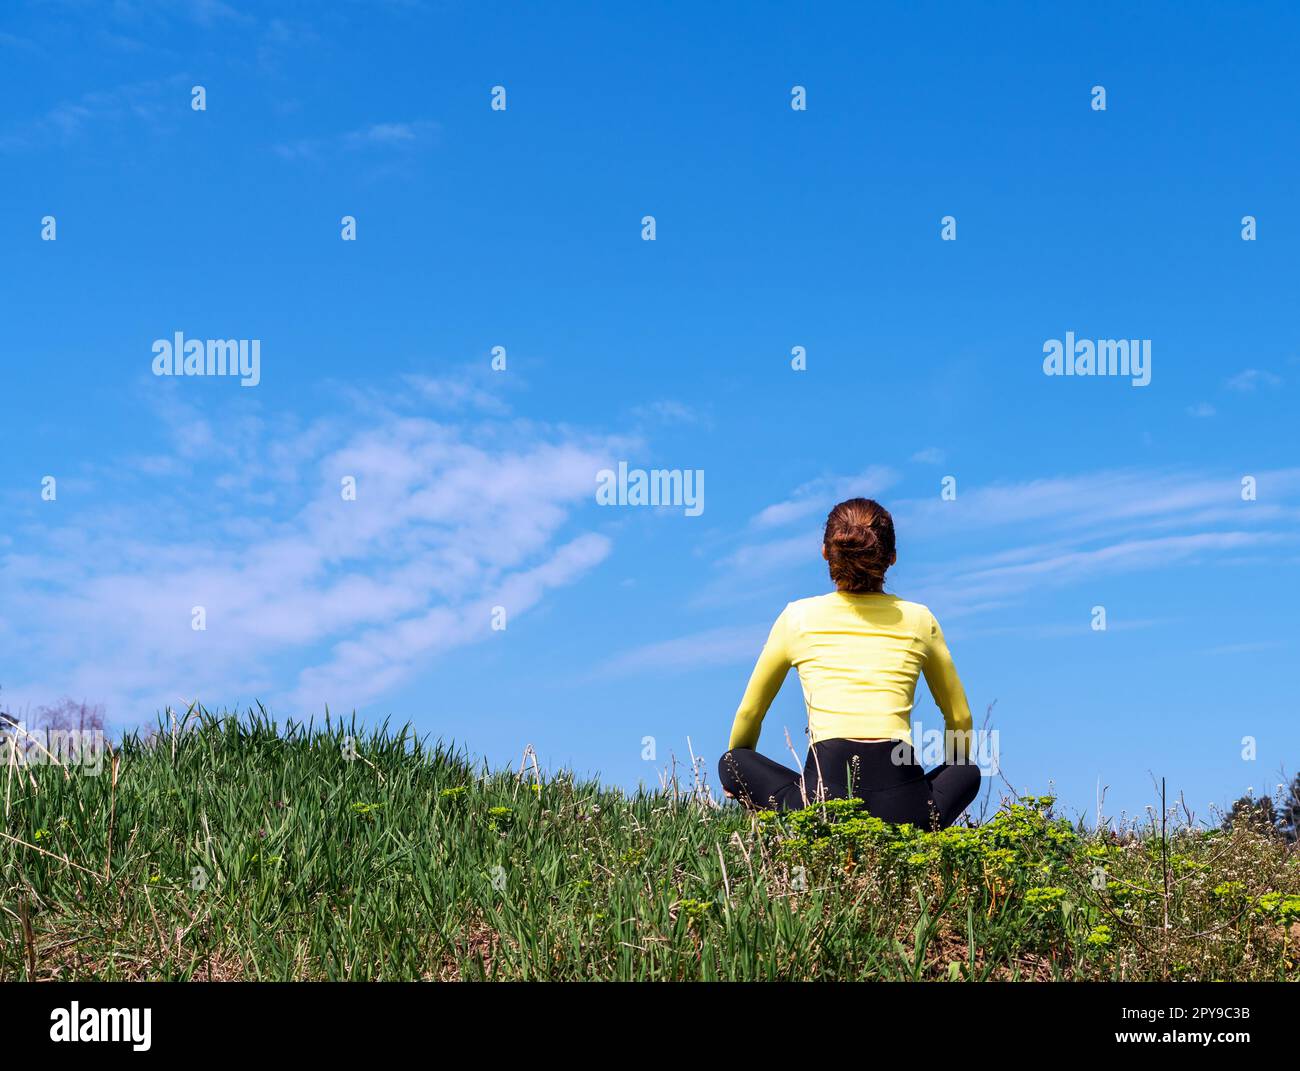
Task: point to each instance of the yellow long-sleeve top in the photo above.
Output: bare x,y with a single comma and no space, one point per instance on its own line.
858,657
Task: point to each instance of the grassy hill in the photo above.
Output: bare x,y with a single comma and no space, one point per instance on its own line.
238,848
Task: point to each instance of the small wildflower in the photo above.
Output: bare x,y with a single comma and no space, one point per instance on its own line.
1100,936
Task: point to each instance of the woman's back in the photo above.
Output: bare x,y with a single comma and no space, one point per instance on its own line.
858,656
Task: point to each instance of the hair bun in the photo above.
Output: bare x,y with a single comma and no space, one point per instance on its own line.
865,538
856,537
859,539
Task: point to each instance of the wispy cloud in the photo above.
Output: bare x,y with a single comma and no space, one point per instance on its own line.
1251,379
711,647
995,544
20,44
931,455
147,103
210,12
1250,647
1024,538
377,136
456,393
1059,570
670,411
817,496
1201,409
205,13
347,598
998,545
1104,502
389,134
1066,630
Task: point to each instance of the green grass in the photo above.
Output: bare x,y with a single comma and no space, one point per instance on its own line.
243,849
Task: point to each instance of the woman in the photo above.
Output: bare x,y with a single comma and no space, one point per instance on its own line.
859,652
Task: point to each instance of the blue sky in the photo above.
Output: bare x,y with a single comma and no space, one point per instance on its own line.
775,228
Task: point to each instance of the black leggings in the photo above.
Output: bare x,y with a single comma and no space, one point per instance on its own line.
883,774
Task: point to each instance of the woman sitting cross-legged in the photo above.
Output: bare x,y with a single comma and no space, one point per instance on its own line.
859,652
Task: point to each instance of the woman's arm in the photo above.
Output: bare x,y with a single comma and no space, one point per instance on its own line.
945,686
764,683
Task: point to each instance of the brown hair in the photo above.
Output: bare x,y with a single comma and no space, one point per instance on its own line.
859,545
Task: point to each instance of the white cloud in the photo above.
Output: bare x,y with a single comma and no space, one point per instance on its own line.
818,496
931,455
210,12
456,393
149,103
388,135
346,598
1252,378
1064,568
996,544
380,658
711,647
1201,409
668,411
